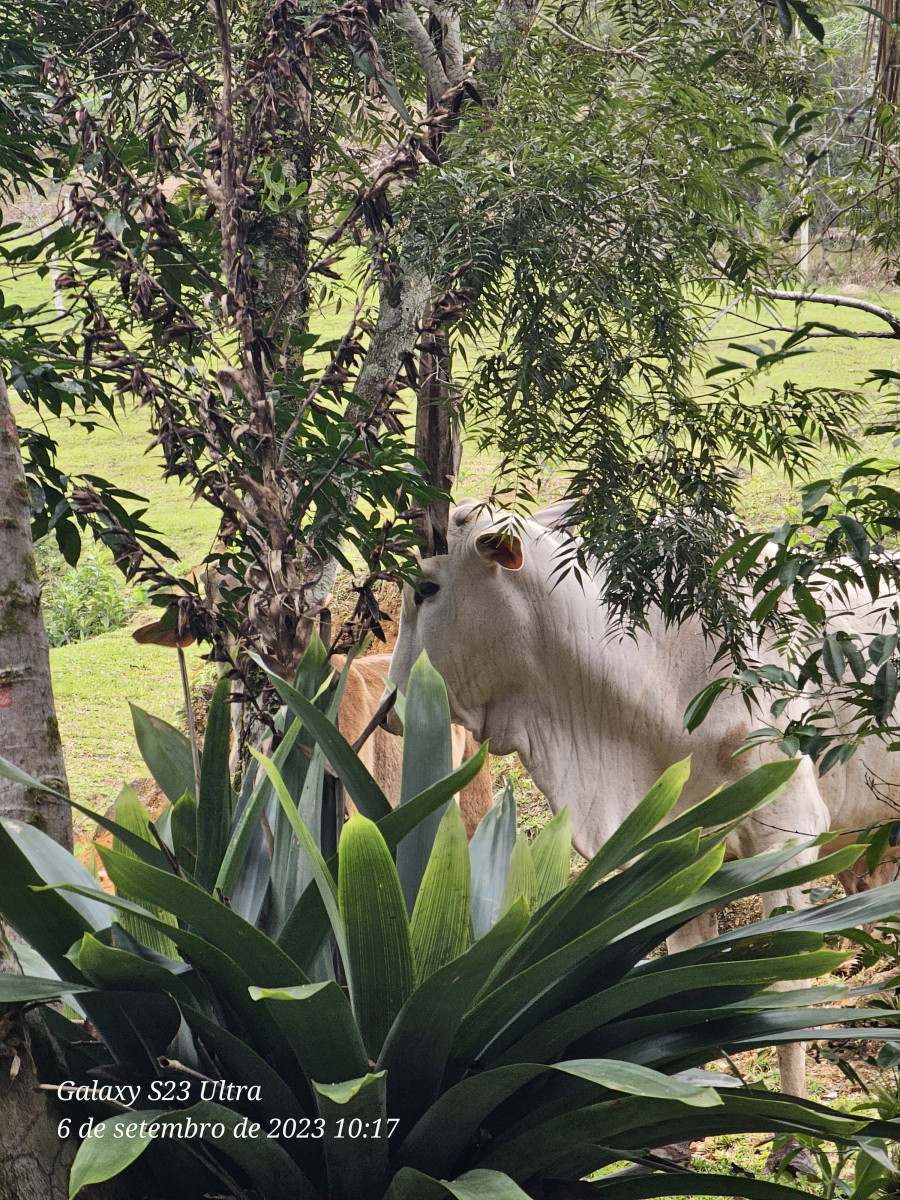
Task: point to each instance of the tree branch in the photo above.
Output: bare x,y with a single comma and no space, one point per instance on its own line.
408,20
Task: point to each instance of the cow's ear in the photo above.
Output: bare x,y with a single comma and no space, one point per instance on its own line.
503,548
557,516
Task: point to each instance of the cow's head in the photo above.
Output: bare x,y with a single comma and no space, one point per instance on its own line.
471,609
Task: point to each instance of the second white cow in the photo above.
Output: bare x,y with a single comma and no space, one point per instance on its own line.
533,662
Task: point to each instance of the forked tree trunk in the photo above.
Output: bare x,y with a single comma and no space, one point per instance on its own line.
29,733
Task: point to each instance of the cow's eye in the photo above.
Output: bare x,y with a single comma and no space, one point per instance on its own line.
424,589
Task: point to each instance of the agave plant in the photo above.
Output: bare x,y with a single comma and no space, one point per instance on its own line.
408,1015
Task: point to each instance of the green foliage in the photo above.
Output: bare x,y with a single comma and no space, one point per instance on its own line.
83,601
383,1057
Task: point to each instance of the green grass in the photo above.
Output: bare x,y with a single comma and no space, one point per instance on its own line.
93,682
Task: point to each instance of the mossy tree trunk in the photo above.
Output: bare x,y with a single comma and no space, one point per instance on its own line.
34,1161
29,733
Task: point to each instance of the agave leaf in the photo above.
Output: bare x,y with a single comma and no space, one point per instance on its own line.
240,1061
490,852
568,1142
166,752
46,920
731,803
184,833
315,795
398,823
20,989
448,1126
356,1167
291,872
248,820
849,913
522,879
110,1152
679,1038
409,1184
318,1023
325,881
551,853
658,981
416,1049
271,1168
503,1004
215,804
379,962
744,877
141,848
654,807
256,953
230,985
131,815
110,967
10,771
427,758
362,788
307,925
440,925
692,1183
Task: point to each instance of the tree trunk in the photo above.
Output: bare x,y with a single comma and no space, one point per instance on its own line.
34,1160
438,428
29,733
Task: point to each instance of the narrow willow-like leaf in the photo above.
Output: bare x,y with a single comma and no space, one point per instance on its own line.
551,853
379,960
441,920
427,758
522,879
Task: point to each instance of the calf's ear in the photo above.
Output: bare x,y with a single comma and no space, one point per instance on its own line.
501,547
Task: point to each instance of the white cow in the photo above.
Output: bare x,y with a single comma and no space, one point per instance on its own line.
533,662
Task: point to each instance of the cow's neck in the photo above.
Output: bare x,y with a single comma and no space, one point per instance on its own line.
602,717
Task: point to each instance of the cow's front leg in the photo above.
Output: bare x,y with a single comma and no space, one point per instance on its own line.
792,1058
701,929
